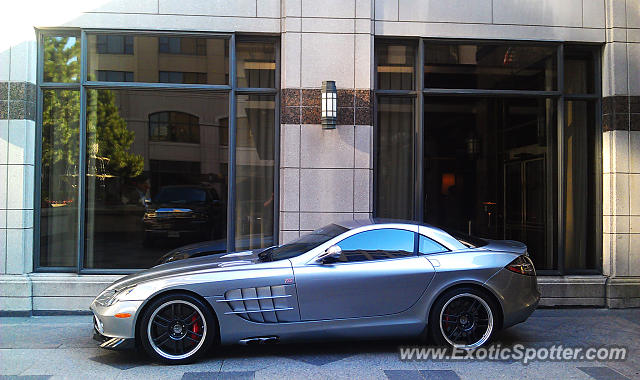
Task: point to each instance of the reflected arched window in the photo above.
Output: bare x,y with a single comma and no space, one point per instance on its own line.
174,126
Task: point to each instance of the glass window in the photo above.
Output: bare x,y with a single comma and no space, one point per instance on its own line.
256,64
396,66
160,59
182,77
579,187
59,190
144,197
489,165
174,126
490,66
381,244
394,161
115,76
579,71
428,246
182,45
255,171
114,44
61,59
304,243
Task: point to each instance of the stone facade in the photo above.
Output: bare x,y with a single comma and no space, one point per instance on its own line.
326,175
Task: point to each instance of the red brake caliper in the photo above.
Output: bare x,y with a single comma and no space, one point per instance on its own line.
195,327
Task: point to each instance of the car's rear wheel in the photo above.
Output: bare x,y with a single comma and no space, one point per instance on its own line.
463,318
177,329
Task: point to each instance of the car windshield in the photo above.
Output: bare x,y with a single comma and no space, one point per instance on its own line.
468,240
181,195
303,243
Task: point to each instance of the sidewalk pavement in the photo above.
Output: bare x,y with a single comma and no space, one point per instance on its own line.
61,347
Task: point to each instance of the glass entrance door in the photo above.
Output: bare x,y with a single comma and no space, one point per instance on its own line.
488,165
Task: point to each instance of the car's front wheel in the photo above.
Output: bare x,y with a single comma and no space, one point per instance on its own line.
177,329
463,318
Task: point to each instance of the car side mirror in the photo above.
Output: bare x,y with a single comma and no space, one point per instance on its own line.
331,255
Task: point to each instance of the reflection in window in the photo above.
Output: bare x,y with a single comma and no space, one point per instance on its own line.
174,126
580,173
114,44
61,59
428,246
396,66
490,66
379,244
182,45
256,64
144,198
579,70
115,76
394,187
255,171
182,77
488,164
160,59
59,191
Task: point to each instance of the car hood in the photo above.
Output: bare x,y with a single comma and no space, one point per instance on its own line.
222,262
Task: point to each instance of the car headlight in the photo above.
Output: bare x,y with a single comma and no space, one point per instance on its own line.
110,296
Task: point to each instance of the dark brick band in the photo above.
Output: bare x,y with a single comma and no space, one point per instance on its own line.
17,100
621,113
302,106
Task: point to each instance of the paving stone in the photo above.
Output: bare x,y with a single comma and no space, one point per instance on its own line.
439,374
121,360
603,373
231,375
403,375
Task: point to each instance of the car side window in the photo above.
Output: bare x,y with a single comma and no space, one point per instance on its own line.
428,246
381,244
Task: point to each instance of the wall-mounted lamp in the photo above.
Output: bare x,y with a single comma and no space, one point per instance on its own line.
329,104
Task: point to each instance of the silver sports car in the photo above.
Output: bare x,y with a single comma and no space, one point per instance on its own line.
358,279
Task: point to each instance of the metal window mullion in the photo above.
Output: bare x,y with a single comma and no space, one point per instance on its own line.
483,92
419,137
60,86
256,90
155,86
231,167
82,152
276,150
598,157
37,180
560,163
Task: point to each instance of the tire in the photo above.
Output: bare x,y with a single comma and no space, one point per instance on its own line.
463,318
147,240
177,329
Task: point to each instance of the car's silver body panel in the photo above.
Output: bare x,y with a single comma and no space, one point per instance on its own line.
301,298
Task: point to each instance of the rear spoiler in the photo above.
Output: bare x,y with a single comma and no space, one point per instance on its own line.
506,246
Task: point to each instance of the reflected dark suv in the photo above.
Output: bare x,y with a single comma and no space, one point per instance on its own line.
187,212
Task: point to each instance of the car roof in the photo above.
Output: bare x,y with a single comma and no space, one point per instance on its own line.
351,224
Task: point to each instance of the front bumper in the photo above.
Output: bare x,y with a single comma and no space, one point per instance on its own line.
108,325
111,343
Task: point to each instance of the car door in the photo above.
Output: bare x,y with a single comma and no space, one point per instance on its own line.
378,273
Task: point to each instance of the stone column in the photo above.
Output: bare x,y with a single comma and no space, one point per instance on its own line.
17,142
621,153
325,175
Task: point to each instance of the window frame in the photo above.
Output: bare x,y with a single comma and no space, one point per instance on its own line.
83,85
420,92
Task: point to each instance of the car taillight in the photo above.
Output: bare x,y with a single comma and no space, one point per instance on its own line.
522,265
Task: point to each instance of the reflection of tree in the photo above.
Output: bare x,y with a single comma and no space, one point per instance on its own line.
60,121
108,139
61,63
60,142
